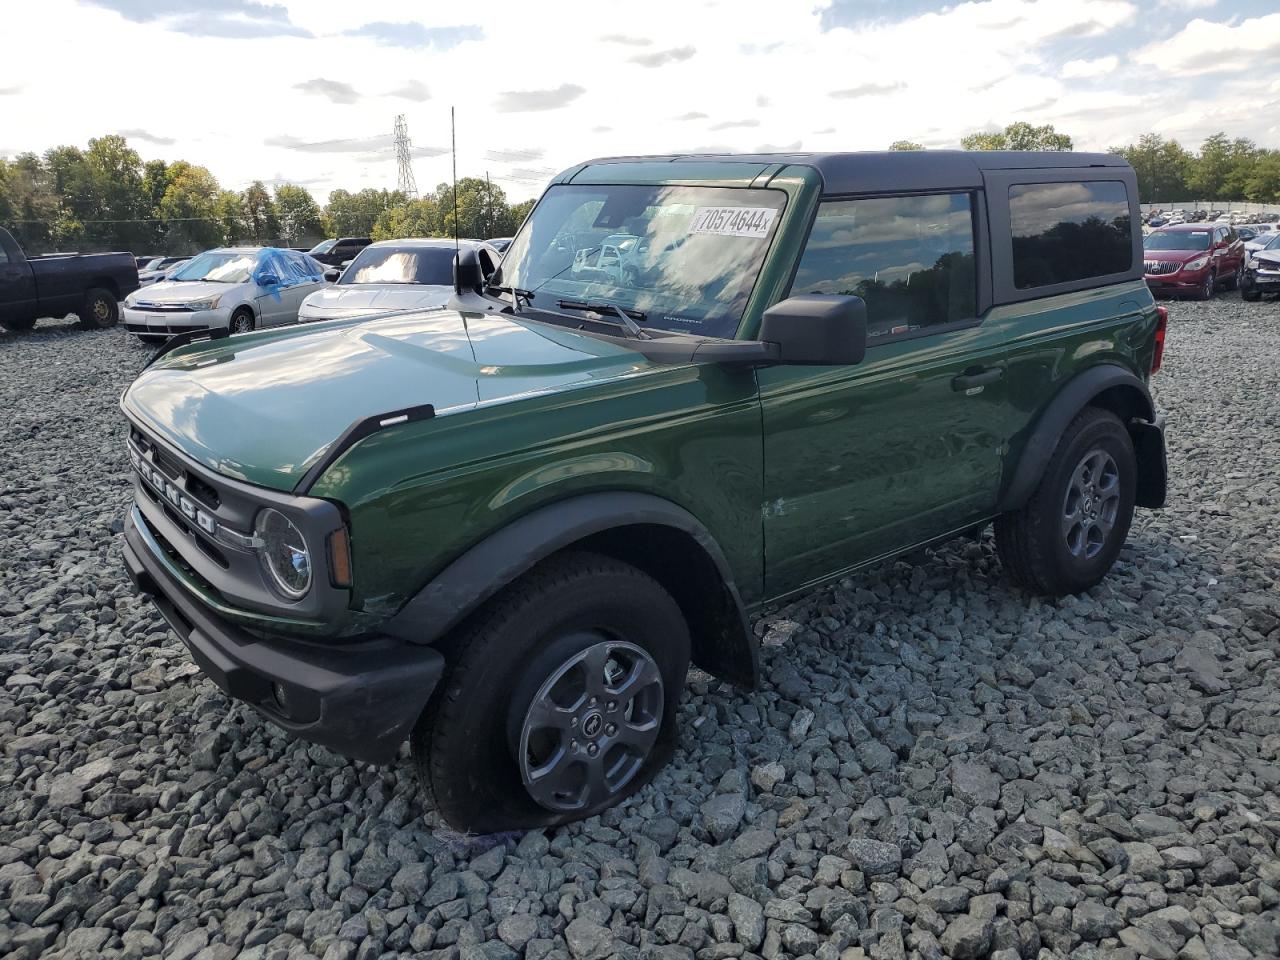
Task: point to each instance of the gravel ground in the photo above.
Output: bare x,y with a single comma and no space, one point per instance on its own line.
937,766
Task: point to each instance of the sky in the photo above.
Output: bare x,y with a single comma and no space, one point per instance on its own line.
307,91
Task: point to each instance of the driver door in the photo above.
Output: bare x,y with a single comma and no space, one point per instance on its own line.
864,461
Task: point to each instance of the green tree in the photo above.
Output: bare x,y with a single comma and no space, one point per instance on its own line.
259,213
1263,182
1019,135
190,208
906,145
482,209
413,218
521,210
118,206
298,212
29,207
1161,165
354,214
228,211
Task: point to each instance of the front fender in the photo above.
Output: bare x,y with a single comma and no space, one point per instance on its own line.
485,569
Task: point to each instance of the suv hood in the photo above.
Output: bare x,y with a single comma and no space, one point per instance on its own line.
263,407
1173,256
363,299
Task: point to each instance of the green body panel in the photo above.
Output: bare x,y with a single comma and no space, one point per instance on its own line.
799,473
863,462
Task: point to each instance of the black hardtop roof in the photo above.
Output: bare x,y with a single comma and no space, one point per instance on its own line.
896,169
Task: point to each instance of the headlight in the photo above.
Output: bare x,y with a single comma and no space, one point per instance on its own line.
208,303
283,553
1195,264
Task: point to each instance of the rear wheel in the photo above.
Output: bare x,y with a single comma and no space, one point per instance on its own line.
100,310
1066,537
1237,278
560,700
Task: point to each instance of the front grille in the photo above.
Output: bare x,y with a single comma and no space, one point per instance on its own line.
156,307
1155,268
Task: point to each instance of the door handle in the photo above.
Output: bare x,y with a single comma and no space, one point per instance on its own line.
977,377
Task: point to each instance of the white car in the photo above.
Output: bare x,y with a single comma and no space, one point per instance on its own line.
157,268
231,288
392,276
1263,241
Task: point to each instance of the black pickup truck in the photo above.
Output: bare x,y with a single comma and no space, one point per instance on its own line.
89,285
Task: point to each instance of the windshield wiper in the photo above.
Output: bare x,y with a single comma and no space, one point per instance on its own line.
517,294
603,308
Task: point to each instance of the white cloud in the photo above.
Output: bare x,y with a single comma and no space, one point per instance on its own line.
1206,47
1078,69
899,80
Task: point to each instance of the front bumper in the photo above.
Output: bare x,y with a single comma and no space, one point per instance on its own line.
359,698
1183,281
1263,282
168,322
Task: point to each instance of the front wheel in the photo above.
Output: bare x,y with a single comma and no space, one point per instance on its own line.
561,701
1205,291
242,320
100,310
1252,294
1066,537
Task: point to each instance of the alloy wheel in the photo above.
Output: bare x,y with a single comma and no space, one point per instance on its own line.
241,324
591,726
1091,505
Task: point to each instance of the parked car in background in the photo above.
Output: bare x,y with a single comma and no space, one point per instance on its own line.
1193,259
231,288
143,261
89,285
499,243
1262,274
334,252
157,267
393,275
1263,241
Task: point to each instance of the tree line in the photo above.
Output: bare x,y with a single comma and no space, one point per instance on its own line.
106,196
1223,169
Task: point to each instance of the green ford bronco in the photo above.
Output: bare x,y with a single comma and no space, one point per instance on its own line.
503,530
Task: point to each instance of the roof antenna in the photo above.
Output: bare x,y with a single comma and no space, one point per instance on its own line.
453,133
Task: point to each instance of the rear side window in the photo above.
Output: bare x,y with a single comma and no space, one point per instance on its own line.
909,258
1069,231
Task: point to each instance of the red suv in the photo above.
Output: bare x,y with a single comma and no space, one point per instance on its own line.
1193,258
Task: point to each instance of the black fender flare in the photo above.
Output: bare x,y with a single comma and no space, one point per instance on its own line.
1079,392
489,566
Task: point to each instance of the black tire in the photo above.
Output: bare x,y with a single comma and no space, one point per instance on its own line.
1237,278
241,321
100,310
467,747
1207,288
18,324
1035,544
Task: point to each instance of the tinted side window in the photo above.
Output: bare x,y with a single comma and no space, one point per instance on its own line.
1069,231
909,258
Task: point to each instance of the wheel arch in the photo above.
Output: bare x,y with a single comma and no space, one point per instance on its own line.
106,283
655,535
1108,386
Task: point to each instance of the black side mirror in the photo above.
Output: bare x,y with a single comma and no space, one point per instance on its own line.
817,329
332,274
468,275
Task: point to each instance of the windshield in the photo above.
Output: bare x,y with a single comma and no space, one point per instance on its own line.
1177,240
324,246
152,264
432,265
218,267
687,257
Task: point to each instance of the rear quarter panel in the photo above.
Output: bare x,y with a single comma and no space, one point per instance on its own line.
1051,340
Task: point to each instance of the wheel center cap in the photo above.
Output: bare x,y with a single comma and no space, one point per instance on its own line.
592,723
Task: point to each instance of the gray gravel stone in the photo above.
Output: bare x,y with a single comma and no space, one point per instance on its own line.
933,757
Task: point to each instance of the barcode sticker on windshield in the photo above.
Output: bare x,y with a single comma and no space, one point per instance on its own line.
733,221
